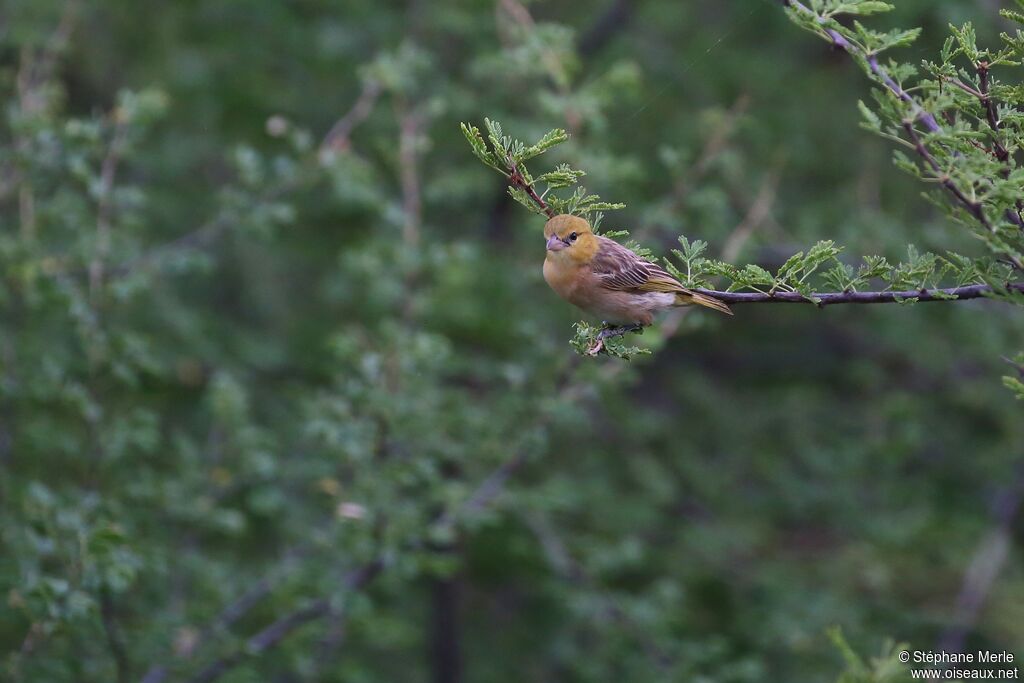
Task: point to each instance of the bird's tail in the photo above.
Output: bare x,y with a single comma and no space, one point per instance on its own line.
686,298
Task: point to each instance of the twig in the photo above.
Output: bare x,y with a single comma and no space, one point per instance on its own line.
872,61
490,488
611,333
284,625
757,214
921,114
197,239
337,136
999,150
105,208
713,147
572,571
973,207
963,86
591,42
516,179
553,63
113,634
882,297
986,564
615,17
408,159
233,612
990,111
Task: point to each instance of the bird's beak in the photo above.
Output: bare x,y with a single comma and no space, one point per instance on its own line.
555,244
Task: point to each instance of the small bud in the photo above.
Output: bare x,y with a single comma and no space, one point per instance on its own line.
351,511
277,126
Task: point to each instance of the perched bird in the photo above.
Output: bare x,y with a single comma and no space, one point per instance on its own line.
608,280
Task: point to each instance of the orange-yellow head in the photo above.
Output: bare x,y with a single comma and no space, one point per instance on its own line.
569,238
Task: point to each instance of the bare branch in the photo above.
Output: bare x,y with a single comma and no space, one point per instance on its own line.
115,642
713,147
408,159
986,564
285,625
105,207
337,137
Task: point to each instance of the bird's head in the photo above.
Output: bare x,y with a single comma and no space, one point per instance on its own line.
570,237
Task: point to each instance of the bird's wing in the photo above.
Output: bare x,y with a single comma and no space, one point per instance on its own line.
619,268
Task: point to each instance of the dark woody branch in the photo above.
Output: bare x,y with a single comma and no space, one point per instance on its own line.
882,297
929,122
516,179
831,298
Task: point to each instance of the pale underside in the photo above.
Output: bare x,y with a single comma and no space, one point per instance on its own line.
617,286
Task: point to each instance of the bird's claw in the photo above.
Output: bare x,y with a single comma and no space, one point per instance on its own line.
610,331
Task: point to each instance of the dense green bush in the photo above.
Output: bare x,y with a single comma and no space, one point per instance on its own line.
284,397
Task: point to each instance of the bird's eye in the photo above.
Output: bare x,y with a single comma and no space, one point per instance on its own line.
572,237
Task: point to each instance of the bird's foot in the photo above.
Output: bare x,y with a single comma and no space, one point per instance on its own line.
611,331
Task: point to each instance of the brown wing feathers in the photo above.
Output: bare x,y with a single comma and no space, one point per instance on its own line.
621,269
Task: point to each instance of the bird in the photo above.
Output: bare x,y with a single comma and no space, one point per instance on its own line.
605,279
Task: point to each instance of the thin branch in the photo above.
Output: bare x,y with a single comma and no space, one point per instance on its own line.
337,137
114,640
921,114
991,115
563,563
973,207
985,566
592,41
195,240
105,203
35,69
408,158
516,179
614,19
758,213
553,64
713,147
490,488
284,625
871,59
234,611
999,149
963,86
882,297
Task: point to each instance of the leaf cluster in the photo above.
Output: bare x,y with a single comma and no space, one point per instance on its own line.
508,156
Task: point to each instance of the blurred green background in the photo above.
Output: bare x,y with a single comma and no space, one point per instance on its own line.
278,405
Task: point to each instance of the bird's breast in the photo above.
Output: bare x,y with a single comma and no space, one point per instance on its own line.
565,279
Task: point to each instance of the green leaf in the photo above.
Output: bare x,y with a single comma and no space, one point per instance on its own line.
553,137
479,147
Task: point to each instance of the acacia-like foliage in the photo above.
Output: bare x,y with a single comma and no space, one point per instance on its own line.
299,409
961,131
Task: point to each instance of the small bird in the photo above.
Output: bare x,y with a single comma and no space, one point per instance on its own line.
608,280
